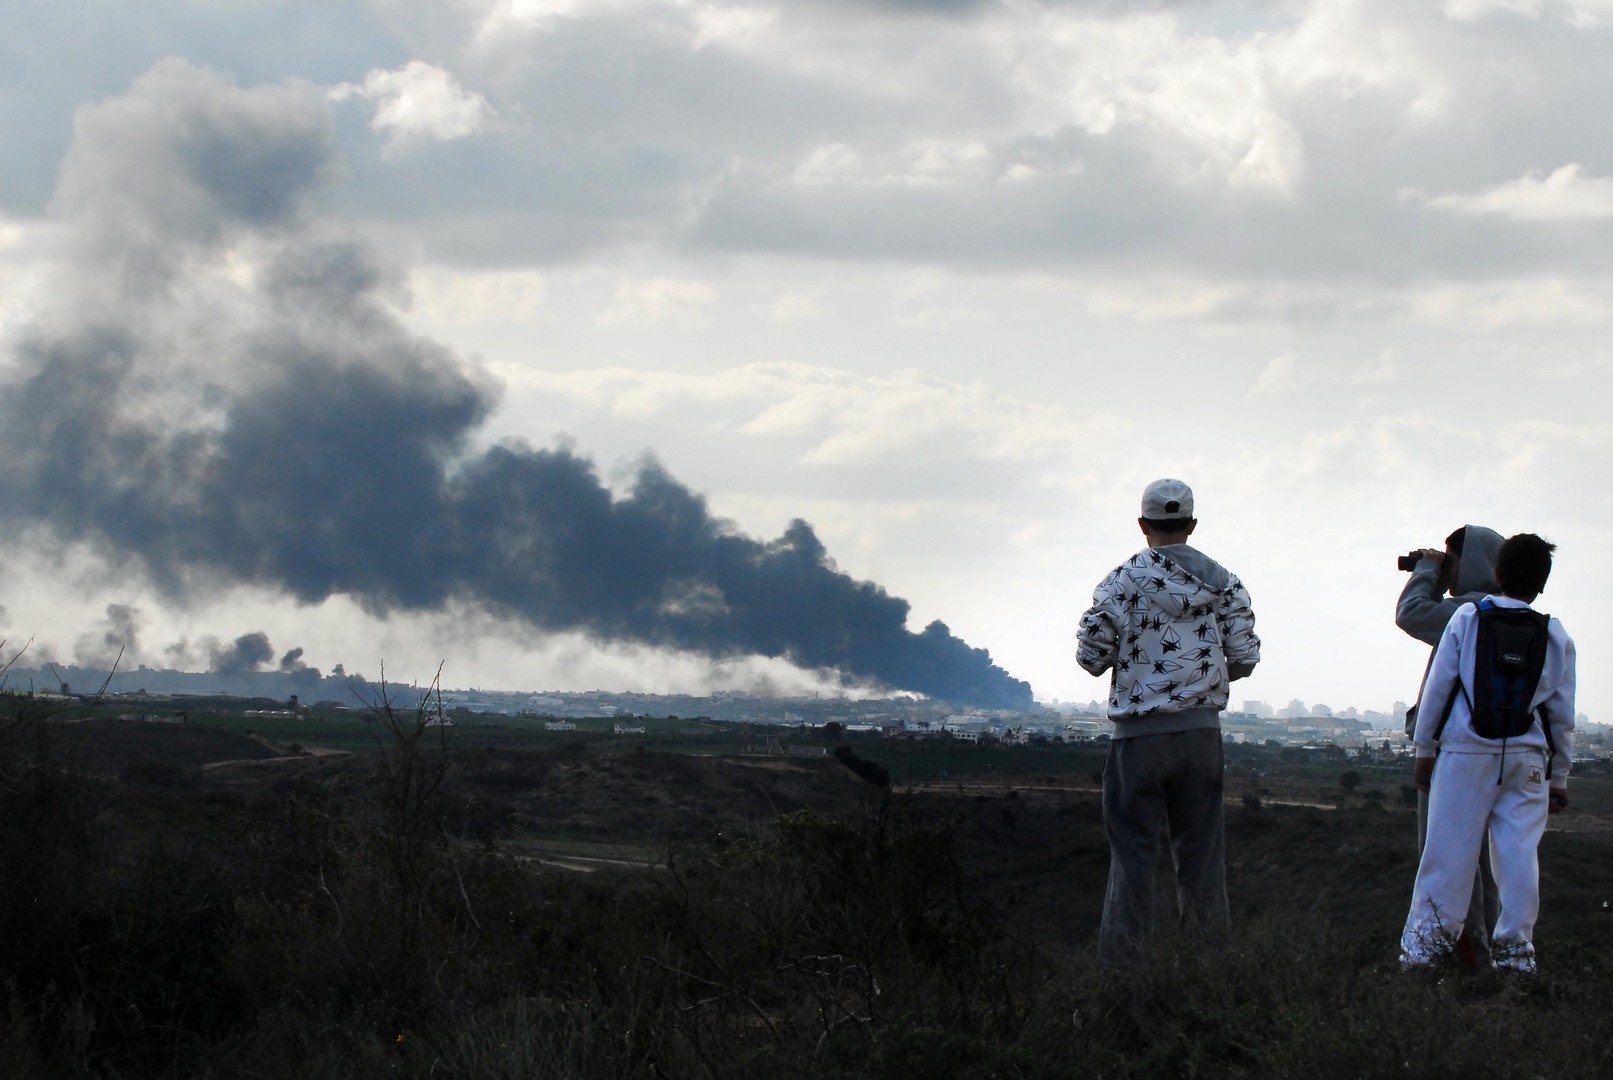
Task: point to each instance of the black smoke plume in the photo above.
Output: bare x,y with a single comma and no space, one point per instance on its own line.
117,637
871,771
249,652
279,426
293,661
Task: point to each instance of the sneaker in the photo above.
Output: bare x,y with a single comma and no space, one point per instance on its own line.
1516,957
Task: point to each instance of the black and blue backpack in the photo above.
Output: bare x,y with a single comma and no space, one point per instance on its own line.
1509,654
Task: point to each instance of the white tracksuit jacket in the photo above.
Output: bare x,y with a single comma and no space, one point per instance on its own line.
1453,661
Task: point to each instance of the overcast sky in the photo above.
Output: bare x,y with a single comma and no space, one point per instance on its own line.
950,280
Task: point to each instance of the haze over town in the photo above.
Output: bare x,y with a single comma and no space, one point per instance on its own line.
678,346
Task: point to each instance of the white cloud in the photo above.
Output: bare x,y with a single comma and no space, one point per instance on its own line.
1023,172
829,163
419,102
23,273
1286,374
733,26
838,418
1530,449
446,295
1206,105
796,306
1568,194
1475,10
1589,14
930,299
1496,305
635,395
1580,14
11,235
943,161
1281,374
737,26
661,300
924,163
502,17
1154,300
1378,372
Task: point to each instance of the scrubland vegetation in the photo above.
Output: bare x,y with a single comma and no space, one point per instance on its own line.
388,914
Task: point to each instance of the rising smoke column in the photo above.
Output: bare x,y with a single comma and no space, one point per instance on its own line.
249,652
223,395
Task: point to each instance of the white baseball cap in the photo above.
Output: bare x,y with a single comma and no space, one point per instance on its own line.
1168,500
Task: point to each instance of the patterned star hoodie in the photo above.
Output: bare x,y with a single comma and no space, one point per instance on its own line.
1175,627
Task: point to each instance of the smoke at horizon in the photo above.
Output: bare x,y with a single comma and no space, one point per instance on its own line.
249,652
118,635
222,395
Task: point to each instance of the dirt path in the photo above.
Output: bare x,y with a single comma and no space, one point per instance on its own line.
282,754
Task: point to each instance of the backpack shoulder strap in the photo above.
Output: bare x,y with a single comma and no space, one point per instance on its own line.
1543,642
1450,702
1445,713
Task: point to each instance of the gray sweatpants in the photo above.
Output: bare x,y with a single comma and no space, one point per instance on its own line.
1156,786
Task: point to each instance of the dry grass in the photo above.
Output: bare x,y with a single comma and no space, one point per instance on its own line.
382,916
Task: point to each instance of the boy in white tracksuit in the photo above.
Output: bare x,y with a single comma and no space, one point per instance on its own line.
1506,785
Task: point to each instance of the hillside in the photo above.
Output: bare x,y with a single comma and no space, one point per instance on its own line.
199,901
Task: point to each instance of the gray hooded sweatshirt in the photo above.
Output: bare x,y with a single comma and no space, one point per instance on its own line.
1423,610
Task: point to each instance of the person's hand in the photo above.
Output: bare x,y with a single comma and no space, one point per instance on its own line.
1423,775
1434,555
1559,801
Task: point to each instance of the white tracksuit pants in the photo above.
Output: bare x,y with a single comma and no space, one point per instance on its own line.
1463,799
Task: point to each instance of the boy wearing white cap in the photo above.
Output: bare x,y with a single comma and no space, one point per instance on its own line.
1173,627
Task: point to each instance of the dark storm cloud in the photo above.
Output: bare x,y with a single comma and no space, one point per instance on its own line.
325,450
